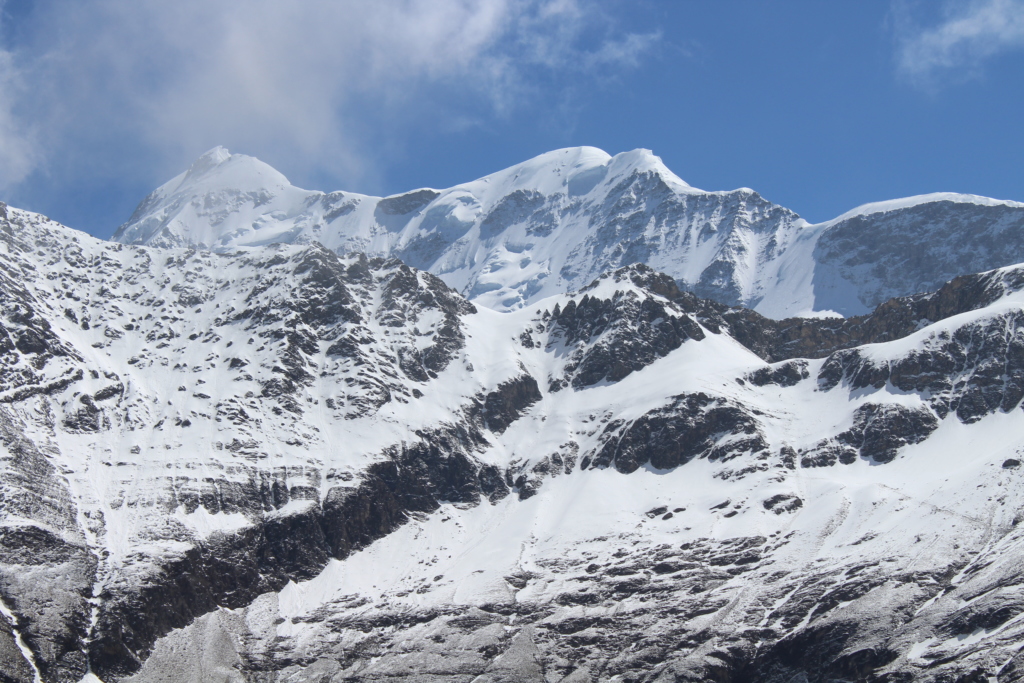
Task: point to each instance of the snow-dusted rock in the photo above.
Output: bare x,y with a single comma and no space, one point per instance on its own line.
278,463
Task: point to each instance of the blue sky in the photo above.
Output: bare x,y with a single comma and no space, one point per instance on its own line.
819,106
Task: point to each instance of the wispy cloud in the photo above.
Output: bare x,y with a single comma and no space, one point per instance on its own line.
314,80
18,149
969,33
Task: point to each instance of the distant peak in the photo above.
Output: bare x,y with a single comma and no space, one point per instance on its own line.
917,200
572,158
219,169
583,154
644,160
218,154
208,161
584,157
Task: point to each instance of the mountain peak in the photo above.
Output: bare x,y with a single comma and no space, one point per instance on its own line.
220,169
220,197
918,200
573,170
210,159
644,160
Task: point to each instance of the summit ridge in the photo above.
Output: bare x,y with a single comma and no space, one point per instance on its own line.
557,221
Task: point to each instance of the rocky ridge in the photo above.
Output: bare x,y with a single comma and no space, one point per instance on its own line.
281,464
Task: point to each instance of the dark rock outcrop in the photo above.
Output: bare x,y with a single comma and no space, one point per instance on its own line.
607,339
692,426
879,431
972,372
506,403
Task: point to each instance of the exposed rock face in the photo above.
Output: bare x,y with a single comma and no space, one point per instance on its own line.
282,464
927,244
232,570
48,567
639,220
13,665
973,370
895,319
690,426
612,338
506,403
680,616
363,332
879,431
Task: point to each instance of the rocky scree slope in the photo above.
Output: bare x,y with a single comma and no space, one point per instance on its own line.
554,223
282,464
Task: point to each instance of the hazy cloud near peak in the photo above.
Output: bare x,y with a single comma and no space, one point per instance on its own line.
970,32
312,79
17,148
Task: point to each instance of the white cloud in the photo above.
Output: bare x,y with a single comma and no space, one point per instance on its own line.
313,80
970,33
17,147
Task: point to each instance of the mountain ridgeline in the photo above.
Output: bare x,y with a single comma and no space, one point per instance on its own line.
558,424
555,223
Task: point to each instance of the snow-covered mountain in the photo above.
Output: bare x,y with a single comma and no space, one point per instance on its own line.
554,223
280,463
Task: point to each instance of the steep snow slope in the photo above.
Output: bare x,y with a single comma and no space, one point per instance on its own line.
557,221
279,464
